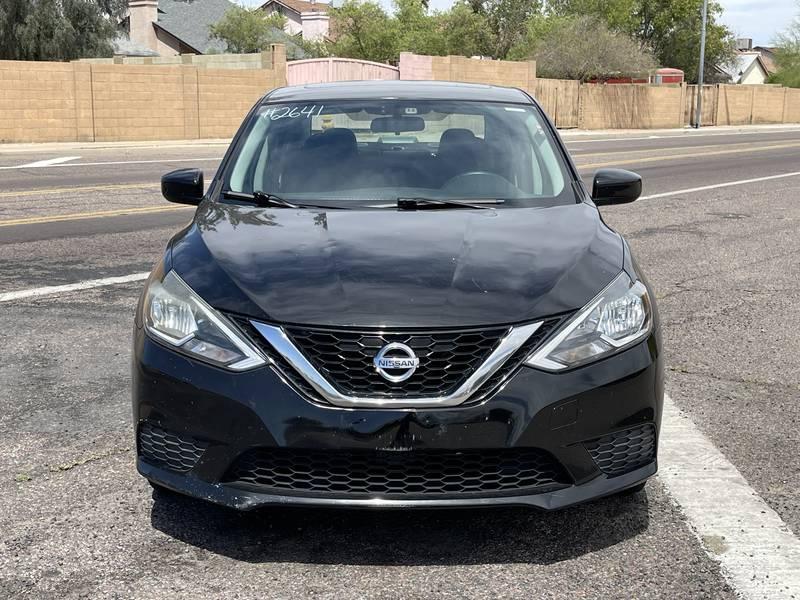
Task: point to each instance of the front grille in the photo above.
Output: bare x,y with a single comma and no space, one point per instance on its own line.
446,358
398,474
167,449
337,352
624,451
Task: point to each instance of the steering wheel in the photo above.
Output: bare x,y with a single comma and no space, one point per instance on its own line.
480,183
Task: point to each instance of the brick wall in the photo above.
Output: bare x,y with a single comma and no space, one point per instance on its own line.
38,102
92,101
81,101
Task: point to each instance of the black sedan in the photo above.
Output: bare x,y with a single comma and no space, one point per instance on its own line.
397,294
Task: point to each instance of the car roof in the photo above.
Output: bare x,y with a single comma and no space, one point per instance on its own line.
404,90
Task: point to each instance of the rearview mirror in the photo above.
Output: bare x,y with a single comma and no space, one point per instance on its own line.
616,186
184,186
397,124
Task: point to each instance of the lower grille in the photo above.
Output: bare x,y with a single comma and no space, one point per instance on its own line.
169,450
624,451
398,474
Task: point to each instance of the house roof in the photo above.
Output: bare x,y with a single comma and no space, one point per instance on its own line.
768,56
743,63
189,20
299,6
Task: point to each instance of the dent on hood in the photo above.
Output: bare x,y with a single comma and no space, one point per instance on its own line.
405,269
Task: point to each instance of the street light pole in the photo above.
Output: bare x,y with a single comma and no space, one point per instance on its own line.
699,111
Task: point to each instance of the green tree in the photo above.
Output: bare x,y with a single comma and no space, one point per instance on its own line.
787,57
363,30
417,31
669,28
585,48
465,32
245,31
58,29
508,21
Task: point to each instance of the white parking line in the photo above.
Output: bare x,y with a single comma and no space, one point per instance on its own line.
70,287
45,163
758,553
717,186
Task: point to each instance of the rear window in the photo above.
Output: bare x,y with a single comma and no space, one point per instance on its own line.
389,149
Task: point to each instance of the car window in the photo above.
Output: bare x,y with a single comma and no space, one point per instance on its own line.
388,149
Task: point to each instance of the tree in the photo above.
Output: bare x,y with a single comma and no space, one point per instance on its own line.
670,28
507,20
787,56
417,31
58,29
363,30
466,32
245,31
584,48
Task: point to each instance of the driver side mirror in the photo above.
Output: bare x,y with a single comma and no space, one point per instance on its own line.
184,186
616,186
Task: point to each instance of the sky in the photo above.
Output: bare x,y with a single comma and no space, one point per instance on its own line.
757,19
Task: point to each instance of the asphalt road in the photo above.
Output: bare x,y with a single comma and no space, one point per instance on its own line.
76,520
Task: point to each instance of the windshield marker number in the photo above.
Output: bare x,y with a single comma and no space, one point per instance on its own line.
293,112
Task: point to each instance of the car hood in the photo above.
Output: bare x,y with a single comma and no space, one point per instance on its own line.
388,268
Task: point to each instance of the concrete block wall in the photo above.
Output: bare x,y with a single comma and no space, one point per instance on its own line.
138,103
80,101
38,102
768,104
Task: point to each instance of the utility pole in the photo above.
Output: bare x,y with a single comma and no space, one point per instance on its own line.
699,112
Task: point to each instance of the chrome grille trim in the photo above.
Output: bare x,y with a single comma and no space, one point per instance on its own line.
508,345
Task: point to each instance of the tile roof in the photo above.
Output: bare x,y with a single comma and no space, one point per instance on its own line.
188,20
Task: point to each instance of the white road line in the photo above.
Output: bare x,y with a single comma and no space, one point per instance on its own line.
44,163
717,186
758,553
70,287
41,164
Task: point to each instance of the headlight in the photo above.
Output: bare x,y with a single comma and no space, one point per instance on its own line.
175,314
619,316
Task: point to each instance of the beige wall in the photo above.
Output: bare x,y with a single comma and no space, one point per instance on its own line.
187,97
44,101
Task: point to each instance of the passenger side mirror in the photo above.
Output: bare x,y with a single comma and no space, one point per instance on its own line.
184,186
616,186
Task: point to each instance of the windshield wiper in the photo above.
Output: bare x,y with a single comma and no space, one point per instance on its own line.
260,199
439,203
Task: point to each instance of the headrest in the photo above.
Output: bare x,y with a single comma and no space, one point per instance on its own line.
340,142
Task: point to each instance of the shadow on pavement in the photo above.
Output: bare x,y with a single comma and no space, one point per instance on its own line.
444,537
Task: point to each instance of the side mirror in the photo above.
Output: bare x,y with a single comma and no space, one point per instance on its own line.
616,186
184,186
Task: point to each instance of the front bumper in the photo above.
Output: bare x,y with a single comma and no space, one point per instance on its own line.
560,414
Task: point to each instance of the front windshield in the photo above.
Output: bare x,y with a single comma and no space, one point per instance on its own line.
382,150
